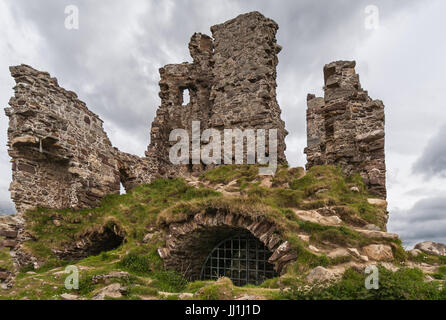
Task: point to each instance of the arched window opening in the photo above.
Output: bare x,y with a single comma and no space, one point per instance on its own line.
242,258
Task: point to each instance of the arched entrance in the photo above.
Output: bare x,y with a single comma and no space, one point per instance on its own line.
242,258
188,245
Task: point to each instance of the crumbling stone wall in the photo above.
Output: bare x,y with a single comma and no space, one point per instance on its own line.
173,114
61,156
346,127
232,84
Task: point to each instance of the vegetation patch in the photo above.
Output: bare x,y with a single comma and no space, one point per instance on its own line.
150,209
404,284
5,259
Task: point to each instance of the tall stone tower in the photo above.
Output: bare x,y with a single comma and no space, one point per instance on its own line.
346,127
231,84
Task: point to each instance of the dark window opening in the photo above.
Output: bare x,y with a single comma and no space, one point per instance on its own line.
242,258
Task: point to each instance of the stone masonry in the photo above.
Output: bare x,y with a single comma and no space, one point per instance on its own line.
346,127
62,158
231,83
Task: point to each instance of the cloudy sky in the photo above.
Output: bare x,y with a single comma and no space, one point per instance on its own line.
112,62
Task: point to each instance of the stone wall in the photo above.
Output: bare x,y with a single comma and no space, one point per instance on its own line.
244,85
189,242
346,127
173,114
61,156
232,84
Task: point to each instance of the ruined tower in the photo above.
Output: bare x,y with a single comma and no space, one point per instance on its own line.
231,83
346,127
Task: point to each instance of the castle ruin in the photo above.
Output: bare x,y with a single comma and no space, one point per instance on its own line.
62,158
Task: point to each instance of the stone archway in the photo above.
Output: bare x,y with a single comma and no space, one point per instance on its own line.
189,243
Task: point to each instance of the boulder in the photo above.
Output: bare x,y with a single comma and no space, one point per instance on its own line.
354,252
372,227
378,252
114,290
364,258
185,295
339,252
316,217
415,252
320,274
112,275
378,202
433,248
377,234
67,296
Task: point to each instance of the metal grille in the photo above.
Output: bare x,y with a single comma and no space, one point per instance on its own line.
243,259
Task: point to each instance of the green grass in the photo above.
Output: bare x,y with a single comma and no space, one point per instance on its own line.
169,281
337,190
154,207
5,259
133,213
404,284
441,274
223,289
137,264
427,258
226,174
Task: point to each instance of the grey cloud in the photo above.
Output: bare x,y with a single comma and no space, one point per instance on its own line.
433,159
112,61
312,33
425,221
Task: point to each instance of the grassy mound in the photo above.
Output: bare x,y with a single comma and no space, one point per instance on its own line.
404,284
149,209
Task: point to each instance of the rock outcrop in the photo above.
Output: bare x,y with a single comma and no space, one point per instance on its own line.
346,127
11,258
434,248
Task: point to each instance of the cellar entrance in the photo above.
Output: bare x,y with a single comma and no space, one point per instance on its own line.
242,258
